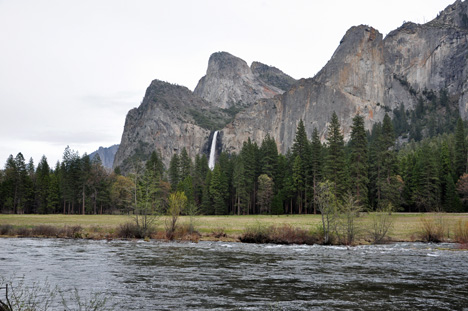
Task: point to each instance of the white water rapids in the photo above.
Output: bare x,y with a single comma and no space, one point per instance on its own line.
211,161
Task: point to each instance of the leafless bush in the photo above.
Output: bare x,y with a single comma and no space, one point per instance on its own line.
432,229
74,232
45,231
218,233
6,229
279,235
129,230
461,232
23,231
381,223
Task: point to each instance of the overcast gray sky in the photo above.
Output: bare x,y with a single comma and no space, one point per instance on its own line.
71,70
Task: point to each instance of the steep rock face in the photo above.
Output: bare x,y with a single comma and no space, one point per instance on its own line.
164,122
350,83
272,76
368,75
230,82
107,155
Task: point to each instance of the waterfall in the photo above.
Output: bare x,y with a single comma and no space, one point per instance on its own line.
211,161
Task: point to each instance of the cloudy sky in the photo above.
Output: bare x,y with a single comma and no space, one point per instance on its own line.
71,70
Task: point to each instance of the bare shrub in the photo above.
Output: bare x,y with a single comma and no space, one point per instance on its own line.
6,229
381,223
23,231
218,233
432,229
129,230
256,234
461,232
285,234
23,296
346,228
45,231
74,232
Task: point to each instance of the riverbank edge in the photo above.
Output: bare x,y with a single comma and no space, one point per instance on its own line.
211,237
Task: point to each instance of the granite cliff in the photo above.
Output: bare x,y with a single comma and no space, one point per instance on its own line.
367,74
229,81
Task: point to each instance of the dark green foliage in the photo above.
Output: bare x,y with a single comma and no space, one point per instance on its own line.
336,167
219,191
359,161
460,149
174,171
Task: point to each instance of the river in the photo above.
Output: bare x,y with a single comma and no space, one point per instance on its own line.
138,275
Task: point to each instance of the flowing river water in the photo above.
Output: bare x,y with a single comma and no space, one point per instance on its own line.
137,275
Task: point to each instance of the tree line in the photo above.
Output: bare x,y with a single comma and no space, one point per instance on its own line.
373,167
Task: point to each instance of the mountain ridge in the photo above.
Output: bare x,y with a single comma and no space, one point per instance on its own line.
367,74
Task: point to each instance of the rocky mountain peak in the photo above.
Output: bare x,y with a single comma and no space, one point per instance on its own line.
225,65
229,82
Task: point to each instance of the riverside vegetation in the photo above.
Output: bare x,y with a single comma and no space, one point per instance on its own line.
375,227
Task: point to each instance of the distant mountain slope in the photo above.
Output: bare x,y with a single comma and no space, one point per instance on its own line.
106,154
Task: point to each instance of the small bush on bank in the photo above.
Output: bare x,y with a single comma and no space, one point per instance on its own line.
74,232
23,231
219,233
6,229
285,234
45,231
128,230
461,232
432,229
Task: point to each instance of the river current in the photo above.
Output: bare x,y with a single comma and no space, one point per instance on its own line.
138,275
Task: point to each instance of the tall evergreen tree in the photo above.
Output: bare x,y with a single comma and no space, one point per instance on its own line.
42,186
359,157
174,171
185,164
240,187
218,191
460,149
316,164
336,168
269,157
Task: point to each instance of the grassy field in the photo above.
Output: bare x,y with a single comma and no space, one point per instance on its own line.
406,227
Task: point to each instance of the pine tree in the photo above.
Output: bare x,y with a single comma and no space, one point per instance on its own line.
185,164
316,163
155,166
460,149
299,182
250,158
359,157
240,186
336,168
269,157
452,201
426,193
387,181
206,203
174,171
300,144
218,191
42,186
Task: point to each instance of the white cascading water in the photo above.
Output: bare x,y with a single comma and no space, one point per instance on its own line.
211,161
